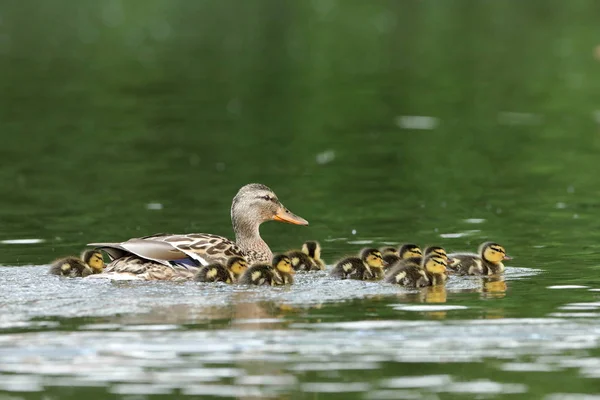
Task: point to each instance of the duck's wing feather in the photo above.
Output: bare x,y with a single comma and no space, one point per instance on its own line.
202,247
153,250
132,267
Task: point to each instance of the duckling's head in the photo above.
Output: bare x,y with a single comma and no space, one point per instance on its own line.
389,250
493,252
410,250
282,263
254,204
435,264
237,265
436,250
372,257
94,259
312,249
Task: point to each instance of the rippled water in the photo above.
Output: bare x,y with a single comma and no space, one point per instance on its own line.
365,339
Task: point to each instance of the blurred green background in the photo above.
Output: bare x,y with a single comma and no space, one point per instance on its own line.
109,106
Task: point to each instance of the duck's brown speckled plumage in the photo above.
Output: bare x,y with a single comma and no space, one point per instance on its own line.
177,256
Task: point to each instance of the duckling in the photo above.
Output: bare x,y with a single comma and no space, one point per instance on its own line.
390,256
405,251
313,250
368,267
388,250
487,262
407,273
91,262
437,250
436,269
283,270
431,250
218,272
301,261
431,272
279,273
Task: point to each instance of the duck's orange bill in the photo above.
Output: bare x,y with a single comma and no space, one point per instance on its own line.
284,215
507,257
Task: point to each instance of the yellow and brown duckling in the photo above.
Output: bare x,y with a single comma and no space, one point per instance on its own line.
488,261
313,250
411,258
405,252
435,250
369,266
280,272
302,261
91,262
431,272
388,250
436,268
218,272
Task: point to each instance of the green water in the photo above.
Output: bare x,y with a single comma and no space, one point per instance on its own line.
107,108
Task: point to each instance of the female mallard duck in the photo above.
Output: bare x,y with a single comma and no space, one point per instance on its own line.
91,262
405,251
431,272
175,257
368,267
313,249
278,273
487,262
217,272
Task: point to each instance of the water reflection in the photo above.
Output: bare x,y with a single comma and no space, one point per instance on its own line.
494,288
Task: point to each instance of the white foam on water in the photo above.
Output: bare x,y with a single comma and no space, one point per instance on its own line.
572,396
154,206
527,367
268,380
475,220
418,308
416,381
328,387
453,235
567,287
360,242
420,122
484,387
22,241
574,315
346,366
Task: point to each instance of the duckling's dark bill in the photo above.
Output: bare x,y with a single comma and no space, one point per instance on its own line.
284,215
